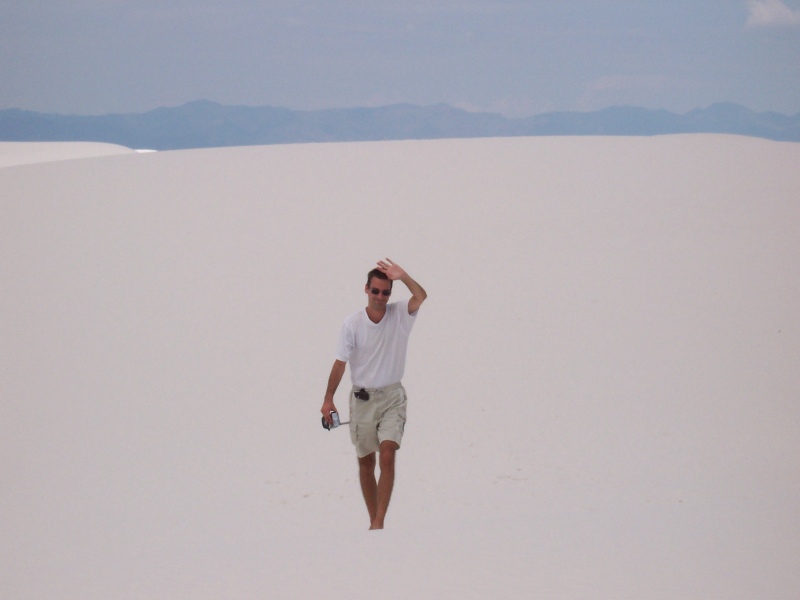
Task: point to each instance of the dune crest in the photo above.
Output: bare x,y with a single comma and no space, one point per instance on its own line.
25,153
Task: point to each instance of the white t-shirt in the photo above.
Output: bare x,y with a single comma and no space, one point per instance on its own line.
376,352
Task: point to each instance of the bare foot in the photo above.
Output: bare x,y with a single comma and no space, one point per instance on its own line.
376,526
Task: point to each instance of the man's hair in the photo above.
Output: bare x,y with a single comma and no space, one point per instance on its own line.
380,275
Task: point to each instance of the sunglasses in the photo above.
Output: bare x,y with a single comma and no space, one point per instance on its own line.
376,291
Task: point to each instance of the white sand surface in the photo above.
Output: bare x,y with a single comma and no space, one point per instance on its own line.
604,384
23,153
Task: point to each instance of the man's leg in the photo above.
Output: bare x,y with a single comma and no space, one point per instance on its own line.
369,485
385,483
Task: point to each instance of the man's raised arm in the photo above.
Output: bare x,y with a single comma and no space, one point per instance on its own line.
395,272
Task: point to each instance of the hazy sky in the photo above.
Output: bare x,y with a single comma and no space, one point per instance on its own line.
517,57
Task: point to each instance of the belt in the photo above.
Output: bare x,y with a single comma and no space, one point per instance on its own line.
387,388
366,393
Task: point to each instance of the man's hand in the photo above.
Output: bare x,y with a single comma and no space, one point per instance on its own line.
392,271
395,273
327,407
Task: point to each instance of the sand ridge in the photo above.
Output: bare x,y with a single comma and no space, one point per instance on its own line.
24,153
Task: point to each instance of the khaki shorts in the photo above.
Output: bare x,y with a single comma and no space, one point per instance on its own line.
381,418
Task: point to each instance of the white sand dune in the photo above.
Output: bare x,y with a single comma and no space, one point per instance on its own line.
604,384
23,153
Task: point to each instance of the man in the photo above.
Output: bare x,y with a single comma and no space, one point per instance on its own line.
374,342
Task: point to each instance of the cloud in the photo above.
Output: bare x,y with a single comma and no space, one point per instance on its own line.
771,13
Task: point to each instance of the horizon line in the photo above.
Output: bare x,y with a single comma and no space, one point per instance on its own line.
398,104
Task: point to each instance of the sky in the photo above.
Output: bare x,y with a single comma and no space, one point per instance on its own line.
514,57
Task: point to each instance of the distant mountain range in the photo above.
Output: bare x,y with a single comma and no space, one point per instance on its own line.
204,124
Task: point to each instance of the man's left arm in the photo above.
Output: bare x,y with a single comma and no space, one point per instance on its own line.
395,272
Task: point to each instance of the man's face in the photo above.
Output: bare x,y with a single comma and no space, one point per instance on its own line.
378,292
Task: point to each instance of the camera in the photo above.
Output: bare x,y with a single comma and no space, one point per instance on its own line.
334,418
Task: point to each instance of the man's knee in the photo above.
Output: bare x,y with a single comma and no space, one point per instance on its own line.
366,463
388,450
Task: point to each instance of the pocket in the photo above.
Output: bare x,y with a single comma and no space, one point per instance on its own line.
354,433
